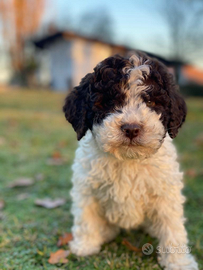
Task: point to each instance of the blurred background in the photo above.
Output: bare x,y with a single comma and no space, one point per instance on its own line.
46,47
53,44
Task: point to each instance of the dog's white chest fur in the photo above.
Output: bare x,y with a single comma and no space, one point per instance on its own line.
126,190
121,194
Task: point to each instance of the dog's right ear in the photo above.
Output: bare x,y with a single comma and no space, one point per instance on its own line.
76,106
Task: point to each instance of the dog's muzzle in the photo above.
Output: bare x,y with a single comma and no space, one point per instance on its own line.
131,130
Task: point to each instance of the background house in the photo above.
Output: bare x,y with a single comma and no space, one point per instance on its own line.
191,74
5,68
65,57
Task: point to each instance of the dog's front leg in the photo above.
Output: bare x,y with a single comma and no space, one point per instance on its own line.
90,229
168,227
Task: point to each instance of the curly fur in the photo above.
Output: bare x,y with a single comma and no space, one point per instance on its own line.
121,182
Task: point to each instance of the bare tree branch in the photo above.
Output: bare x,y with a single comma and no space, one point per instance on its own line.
184,19
97,24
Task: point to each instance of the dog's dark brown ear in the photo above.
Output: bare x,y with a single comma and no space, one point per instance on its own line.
178,111
76,106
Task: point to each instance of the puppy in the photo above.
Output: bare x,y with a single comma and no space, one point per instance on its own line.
125,172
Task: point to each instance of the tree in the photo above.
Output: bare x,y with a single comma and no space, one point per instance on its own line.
184,20
97,24
20,19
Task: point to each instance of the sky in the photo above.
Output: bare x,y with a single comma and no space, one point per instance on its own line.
134,21
139,24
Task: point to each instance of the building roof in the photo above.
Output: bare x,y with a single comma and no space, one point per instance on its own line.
44,41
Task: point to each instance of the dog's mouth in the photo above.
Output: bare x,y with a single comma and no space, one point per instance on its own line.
131,143
136,145
131,146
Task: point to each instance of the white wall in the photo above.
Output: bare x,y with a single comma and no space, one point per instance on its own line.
5,70
60,64
86,55
65,62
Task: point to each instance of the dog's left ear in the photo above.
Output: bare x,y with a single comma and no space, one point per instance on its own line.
76,106
178,111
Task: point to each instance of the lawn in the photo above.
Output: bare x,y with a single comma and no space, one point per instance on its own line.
33,131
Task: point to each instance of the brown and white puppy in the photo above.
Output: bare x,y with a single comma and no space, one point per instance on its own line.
125,172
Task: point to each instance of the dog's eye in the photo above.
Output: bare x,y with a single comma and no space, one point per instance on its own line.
150,103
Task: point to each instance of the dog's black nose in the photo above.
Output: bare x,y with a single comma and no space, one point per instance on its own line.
131,130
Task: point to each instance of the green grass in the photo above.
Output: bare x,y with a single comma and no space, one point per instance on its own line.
32,128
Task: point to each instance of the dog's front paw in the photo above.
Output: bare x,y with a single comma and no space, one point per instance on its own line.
171,262
84,248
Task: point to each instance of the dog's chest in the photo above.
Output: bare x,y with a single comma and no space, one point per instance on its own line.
122,191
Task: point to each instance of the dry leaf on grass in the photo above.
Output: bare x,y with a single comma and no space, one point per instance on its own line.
21,182
64,239
23,196
39,177
62,144
199,140
49,203
191,172
56,155
59,256
2,141
55,161
130,246
1,215
2,204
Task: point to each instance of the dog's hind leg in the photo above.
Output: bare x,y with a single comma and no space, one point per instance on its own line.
168,226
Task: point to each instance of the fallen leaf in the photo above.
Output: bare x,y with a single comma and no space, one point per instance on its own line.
59,256
21,182
23,196
49,203
199,140
2,204
130,246
1,215
56,155
55,161
62,144
14,144
39,177
64,239
13,122
2,141
191,172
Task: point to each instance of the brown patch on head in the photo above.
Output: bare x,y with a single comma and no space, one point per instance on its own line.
163,92
98,94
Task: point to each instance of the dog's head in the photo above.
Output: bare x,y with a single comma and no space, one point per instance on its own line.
129,104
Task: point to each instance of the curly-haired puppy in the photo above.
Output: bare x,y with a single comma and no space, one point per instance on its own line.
125,172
